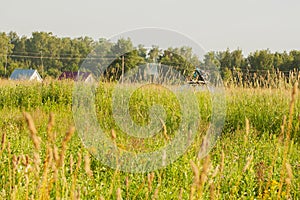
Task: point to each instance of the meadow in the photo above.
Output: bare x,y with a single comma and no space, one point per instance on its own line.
43,157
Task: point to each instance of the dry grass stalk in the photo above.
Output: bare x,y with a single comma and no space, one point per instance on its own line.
164,157
192,192
119,194
77,194
150,180
289,179
55,175
155,195
37,162
249,160
222,162
260,174
203,175
35,139
139,189
78,161
56,155
196,173
44,191
214,174
8,148
3,141
50,127
212,191
291,111
49,155
87,165
204,147
71,163
22,160
113,134
297,125
27,183
289,171
69,134
247,131
64,145
282,127
30,123
216,171
14,162
180,194
164,129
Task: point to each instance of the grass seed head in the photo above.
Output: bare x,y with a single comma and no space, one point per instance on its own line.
127,182
87,165
150,180
155,195
289,170
195,172
55,154
249,160
79,160
205,170
30,123
35,139
50,127
113,134
247,126
69,134
222,162
119,194
14,161
71,163
3,141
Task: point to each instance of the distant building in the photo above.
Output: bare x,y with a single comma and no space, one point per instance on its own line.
152,71
26,75
77,76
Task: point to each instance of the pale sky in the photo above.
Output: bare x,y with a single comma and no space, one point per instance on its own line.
216,25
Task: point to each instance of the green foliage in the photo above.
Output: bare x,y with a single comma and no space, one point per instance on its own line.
51,55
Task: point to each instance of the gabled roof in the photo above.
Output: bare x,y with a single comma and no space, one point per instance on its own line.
82,76
24,74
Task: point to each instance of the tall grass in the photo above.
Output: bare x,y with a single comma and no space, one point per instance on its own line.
42,157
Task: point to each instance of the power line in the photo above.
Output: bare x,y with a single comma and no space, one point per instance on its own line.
56,57
111,58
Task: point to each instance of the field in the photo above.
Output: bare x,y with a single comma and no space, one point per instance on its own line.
43,157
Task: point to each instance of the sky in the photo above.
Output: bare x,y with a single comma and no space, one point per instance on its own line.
215,24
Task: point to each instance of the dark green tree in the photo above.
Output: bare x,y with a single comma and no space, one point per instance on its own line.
6,48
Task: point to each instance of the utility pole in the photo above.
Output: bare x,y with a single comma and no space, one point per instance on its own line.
5,67
42,63
123,66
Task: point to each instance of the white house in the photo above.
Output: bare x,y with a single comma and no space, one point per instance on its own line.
26,75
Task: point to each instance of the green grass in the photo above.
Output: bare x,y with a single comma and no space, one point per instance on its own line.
246,163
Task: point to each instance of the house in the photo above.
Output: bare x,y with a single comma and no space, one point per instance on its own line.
26,75
77,76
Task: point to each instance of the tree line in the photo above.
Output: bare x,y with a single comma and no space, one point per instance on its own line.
51,55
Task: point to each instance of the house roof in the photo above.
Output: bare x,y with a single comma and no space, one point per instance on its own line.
74,75
23,74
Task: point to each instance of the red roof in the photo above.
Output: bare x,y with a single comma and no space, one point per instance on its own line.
82,76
